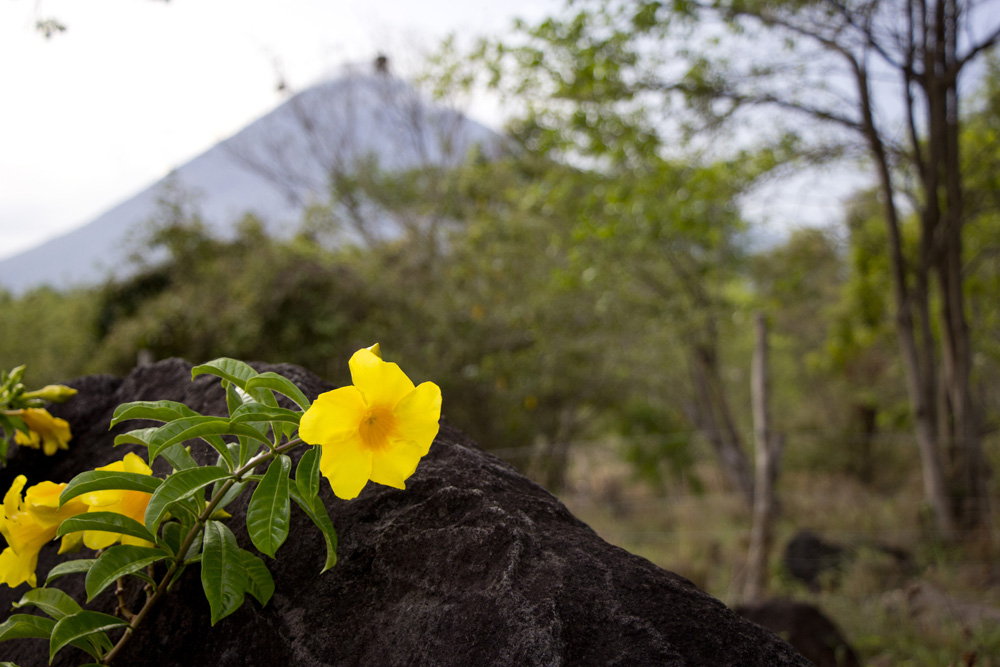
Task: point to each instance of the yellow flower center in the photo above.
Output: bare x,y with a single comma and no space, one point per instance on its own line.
377,426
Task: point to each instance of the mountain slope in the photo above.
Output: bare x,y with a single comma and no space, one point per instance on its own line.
272,168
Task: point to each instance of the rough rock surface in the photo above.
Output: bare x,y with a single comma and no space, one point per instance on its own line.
472,564
805,627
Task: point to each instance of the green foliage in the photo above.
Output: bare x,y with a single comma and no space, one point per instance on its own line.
111,522
23,416
118,562
658,447
48,331
79,626
182,527
222,574
268,513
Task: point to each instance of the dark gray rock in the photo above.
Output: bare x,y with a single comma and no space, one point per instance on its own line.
805,627
807,556
472,564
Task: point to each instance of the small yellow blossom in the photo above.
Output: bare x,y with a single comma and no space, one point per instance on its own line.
28,524
48,432
377,429
130,503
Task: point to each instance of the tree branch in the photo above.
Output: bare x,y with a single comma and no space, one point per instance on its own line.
974,51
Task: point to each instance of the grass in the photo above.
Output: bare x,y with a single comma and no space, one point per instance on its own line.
919,613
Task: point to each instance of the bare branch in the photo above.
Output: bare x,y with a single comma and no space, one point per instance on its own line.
989,42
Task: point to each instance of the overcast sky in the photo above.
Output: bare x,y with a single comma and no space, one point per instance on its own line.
136,87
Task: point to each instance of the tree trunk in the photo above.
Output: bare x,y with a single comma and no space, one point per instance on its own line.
555,459
919,370
970,472
715,421
767,450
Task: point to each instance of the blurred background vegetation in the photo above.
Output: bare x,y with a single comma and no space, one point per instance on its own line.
585,302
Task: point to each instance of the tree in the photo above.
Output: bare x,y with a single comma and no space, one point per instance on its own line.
879,78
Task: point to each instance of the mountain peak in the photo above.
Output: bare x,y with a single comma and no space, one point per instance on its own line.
272,168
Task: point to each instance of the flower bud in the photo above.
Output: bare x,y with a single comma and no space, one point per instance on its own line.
56,393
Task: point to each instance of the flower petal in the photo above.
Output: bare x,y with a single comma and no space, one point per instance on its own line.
103,499
114,466
99,539
41,502
347,466
16,569
12,499
417,415
44,494
333,417
134,505
24,535
32,439
394,465
379,382
71,542
136,541
134,463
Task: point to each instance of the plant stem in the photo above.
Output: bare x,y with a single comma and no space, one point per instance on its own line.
189,540
122,607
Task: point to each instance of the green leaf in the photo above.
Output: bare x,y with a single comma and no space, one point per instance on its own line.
179,457
105,480
222,573
182,484
239,374
232,494
69,567
193,553
234,398
280,384
161,411
79,626
307,473
6,426
316,510
52,601
268,512
28,626
248,450
236,372
176,455
172,535
189,428
206,428
109,522
258,412
186,511
117,562
260,584
139,436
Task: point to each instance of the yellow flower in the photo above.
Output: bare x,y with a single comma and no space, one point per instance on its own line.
48,432
28,524
377,429
130,503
